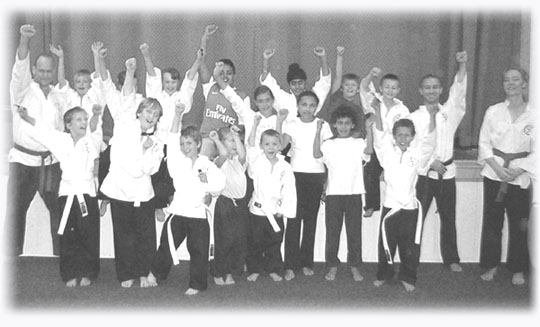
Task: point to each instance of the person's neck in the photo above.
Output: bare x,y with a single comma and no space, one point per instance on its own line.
76,137
273,159
46,89
516,102
307,120
388,103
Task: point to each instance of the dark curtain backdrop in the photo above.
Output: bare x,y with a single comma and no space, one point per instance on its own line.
407,44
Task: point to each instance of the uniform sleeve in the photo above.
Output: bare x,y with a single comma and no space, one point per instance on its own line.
207,86
113,97
485,149
425,147
50,138
174,154
278,92
456,105
153,84
187,89
366,97
326,132
288,194
326,149
216,180
251,158
239,105
152,158
385,146
322,88
20,79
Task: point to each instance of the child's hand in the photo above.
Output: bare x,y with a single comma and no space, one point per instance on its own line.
96,109
257,120
319,51
200,54
438,167
202,177
148,143
282,114
376,105
268,53
320,124
23,112
96,46
340,51
145,49
217,69
27,31
375,72
207,199
102,53
214,136
131,64
370,121
461,57
235,130
57,51
179,108
210,29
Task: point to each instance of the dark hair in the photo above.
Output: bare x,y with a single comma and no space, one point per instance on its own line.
295,72
175,74
121,77
352,77
271,133
229,63
392,77
308,94
223,132
404,122
429,76
261,89
343,111
149,103
193,132
44,55
69,115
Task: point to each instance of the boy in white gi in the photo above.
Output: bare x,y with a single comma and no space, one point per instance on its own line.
77,151
344,157
402,158
195,178
273,200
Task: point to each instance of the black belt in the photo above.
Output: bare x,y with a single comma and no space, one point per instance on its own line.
507,157
45,179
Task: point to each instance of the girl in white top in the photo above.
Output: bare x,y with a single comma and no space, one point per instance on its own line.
77,151
309,173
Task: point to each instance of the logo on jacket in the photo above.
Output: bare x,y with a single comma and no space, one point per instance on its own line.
528,130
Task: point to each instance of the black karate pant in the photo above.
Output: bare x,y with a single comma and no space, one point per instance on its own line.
264,246
339,208
444,192
400,232
134,233
197,232
299,253
516,203
103,169
79,245
163,184
230,236
372,174
23,182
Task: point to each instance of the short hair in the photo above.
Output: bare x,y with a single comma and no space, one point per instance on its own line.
343,111
404,122
175,74
68,116
229,63
149,103
223,132
82,72
521,71
391,77
429,76
193,132
308,94
295,72
45,55
261,89
271,133
351,77
121,77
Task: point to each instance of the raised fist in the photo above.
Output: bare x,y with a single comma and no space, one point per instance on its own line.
268,53
319,51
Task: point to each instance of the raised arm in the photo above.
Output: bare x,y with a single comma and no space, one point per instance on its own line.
369,134
317,140
371,77
96,113
253,132
336,83
176,125
267,54
281,117
222,150
196,64
61,65
204,72
145,50
321,54
129,83
27,33
240,149
461,58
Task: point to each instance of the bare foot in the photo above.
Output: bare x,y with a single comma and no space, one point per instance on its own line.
152,280
455,267
144,282
191,291
229,280
160,215
275,277
331,274
518,279
408,287
127,283
71,282
219,281
253,277
289,274
356,274
308,271
489,274
378,282
103,208
85,281
368,213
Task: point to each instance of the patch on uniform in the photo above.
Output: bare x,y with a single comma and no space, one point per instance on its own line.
444,116
412,161
528,129
396,118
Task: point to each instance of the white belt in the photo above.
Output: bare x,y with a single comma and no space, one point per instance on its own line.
67,209
417,236
269,216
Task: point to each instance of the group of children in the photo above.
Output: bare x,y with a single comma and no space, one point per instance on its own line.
225,186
